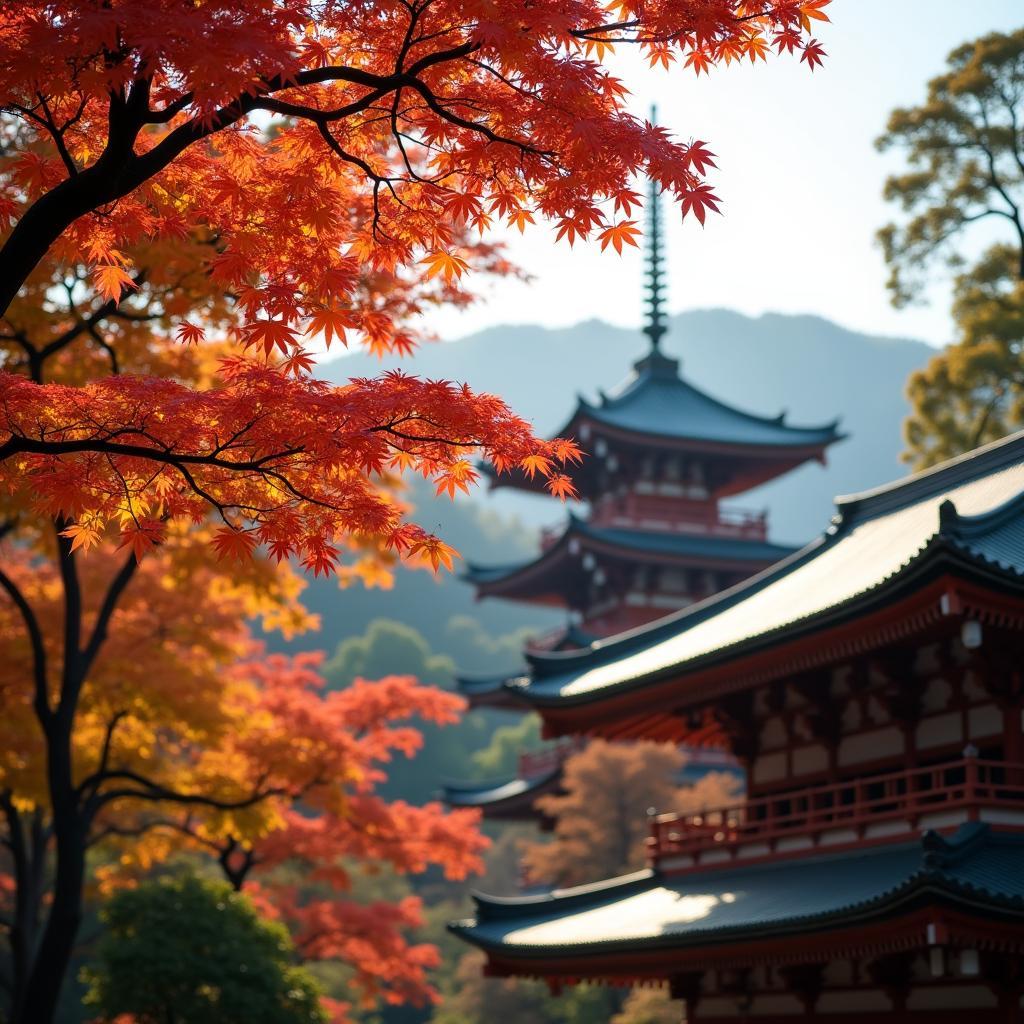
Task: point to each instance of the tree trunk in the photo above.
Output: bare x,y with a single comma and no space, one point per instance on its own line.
50,965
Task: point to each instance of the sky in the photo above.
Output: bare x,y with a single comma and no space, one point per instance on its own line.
799,177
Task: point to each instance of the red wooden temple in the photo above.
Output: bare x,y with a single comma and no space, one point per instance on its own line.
871,685
661,459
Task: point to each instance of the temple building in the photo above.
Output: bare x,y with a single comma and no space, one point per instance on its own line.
661,459
872,687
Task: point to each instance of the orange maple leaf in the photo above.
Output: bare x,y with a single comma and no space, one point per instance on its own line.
623,233
561,486
270,334
82,535
141,536
448,264
435,551
534,464
112,282
330,323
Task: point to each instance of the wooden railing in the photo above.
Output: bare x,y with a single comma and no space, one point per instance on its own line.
681,515
760,824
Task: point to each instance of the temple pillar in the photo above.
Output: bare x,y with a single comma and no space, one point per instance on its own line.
1004,975
687,987
805,981
822,716
893,974
902,696
737,719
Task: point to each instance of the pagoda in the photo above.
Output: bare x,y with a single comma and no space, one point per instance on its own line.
660,458
871,686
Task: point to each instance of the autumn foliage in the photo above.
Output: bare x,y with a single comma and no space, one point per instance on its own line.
193,196
400,130
601,823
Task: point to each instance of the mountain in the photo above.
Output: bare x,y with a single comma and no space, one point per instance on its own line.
810,367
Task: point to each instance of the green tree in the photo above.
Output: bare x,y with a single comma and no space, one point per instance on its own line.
501,756
965,153
387,648
188,951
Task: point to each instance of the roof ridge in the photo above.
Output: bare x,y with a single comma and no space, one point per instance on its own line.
654,632
500,782
629,388
503,906
961,527
927,483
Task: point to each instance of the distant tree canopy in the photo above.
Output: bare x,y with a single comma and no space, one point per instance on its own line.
965,150
601,818
387,648
194,952
501,756
476,999
649,1006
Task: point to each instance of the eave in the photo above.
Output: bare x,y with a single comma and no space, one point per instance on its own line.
508,800
916,601
544,579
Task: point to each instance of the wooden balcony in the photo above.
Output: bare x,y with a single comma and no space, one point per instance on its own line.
860,812
680,514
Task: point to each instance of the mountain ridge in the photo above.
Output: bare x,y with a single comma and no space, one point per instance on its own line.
802,364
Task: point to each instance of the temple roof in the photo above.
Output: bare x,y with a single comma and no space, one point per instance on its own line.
673,546
651,910
657,402
513,796
485,691
967,512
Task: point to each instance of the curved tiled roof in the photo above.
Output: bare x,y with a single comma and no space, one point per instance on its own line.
650,910
663,543
967,509
658,402
490,794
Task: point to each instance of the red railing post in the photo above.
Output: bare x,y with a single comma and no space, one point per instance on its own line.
971,781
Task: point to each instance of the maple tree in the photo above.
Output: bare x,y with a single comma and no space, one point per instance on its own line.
158,713
167,639
966,167
229,758
319,756
400,125
399,129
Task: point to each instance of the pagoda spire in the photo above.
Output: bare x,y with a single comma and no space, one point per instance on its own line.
655,327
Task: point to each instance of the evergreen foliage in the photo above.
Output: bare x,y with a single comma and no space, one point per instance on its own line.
188,951
965,150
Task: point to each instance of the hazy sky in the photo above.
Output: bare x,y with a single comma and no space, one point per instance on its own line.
798,173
